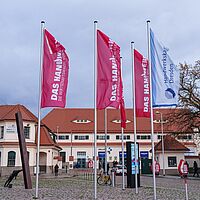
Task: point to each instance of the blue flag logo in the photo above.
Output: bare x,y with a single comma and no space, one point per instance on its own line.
165,75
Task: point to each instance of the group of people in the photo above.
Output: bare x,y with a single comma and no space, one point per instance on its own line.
102,166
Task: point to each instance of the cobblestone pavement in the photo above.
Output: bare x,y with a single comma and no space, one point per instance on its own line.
77,188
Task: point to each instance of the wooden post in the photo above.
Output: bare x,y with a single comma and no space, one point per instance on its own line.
23,151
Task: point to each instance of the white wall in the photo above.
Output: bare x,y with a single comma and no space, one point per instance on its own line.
10,131
178,155
32,155
89,151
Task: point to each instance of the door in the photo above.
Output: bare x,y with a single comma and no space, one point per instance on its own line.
101,156
81,159
146,166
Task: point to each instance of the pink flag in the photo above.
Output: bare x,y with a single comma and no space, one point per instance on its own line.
123,114
142,85
109,84
55,73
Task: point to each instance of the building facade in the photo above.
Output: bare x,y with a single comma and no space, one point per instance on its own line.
75,134
10,157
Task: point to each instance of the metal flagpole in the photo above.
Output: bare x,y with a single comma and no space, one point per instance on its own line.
95,109
106,129
123,185
163,146
134,118
39,109
151,104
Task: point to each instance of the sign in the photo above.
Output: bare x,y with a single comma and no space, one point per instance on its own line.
134,159
144,154
120,154
11,129
71,158
101,154
132,165
157,168
182,168
90,164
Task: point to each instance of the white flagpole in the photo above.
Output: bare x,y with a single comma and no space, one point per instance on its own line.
106,130
39,109
123,185
151,104
134,116
95,109
123,182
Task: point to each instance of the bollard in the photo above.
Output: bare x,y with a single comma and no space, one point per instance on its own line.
113,178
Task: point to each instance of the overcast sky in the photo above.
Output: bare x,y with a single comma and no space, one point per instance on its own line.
176,23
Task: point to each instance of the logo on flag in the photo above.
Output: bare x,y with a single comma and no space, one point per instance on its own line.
55,73
165,75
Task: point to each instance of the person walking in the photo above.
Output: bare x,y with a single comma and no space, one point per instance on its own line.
195,167
56,169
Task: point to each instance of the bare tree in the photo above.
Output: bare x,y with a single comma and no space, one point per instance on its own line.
188,117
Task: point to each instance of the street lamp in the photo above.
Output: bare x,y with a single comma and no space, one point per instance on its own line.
161,123
57,128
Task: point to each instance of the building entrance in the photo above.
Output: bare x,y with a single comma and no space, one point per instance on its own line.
81,159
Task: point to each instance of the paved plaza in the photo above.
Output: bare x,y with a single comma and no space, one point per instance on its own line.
75,188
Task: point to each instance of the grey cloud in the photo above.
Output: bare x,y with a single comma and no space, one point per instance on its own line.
175,23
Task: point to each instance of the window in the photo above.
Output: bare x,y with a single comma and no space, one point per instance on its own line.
126,137
185,137
172,161
1,132
81,137
118,121
27,132
159,137
63,137
11,159
81,154
81,121
102,137
143,137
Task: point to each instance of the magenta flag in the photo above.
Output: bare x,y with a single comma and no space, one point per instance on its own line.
123,114
109,84
142,85
55,73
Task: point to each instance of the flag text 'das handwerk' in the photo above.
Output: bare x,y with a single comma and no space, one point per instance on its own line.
55,73
142,85
109,80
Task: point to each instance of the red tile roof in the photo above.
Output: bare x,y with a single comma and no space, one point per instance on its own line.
61,120
170,144
7,112
46,139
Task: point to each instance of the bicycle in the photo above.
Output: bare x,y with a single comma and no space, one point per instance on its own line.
104,179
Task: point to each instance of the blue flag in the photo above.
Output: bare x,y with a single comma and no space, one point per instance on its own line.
165,75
